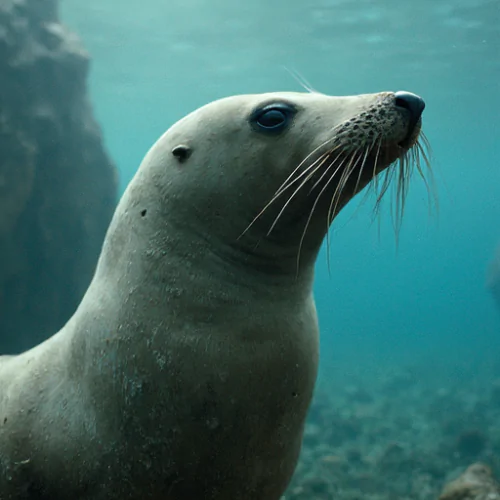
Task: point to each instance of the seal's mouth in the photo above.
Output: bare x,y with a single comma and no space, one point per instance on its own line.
414,129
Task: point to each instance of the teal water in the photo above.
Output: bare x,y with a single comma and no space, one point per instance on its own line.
425,301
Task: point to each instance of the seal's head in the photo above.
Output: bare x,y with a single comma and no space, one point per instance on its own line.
276,168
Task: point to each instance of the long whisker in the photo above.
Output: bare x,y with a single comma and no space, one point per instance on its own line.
373,175
325,173
286,184
288,181
301,80
367,152
375,163
280,191
340,187
376,209
295,192
313,208
367,191
429,184
401,192
337,196
404,168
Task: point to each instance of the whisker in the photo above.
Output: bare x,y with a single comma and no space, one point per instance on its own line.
280,192
376,209
337,195
324,173
340,188
420,152
401,192
294,193
301,81
373,186
367,191
315,150
367,152
313,208
285,184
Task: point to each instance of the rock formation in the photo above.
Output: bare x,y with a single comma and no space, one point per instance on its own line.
57,184
476,483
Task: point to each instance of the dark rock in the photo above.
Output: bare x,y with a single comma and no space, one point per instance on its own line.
476,483
57,184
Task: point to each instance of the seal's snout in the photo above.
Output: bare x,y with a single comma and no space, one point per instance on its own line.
412,103
413,106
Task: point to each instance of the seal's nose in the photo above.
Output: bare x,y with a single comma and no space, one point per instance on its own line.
412,102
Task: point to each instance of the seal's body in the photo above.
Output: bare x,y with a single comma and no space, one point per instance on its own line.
188,368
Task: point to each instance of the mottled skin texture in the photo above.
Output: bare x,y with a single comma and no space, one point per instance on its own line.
187,371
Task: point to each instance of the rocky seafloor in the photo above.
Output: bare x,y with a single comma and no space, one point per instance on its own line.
403,434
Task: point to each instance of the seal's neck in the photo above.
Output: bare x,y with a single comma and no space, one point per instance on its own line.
158,253
159,283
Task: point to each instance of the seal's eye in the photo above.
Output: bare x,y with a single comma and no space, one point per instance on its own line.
272,118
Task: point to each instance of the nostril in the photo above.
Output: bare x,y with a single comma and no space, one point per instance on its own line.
411,102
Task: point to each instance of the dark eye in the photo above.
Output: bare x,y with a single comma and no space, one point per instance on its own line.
272,118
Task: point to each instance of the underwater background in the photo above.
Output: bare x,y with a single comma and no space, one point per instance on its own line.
411,312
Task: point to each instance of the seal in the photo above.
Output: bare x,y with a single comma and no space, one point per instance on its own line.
188,368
